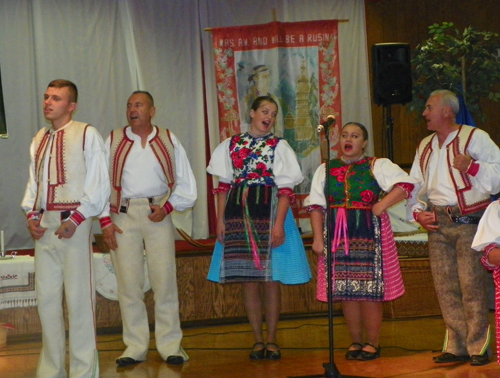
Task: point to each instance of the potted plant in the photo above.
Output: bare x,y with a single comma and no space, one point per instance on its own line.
466,63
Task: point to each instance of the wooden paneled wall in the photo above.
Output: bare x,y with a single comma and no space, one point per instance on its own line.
407,21
201,301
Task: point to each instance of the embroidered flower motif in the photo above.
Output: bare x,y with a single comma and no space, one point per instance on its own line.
367,196
238,163
272,142
244,152
253,159
340,173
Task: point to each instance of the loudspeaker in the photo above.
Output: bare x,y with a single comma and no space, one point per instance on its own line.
391,73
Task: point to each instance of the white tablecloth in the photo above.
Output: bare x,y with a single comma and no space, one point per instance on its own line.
17,280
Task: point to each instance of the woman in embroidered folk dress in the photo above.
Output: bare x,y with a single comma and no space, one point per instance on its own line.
258,243
487,239
365,263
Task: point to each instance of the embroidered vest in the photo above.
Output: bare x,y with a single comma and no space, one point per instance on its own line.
469,200
66,170
162,147
352,186
253,159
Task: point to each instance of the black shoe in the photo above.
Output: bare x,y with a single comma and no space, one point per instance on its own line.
126,361
479,359
354,353
368,356
446,358
273,354
258,354
174,360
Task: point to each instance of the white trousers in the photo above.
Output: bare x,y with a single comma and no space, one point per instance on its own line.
157,238
66,265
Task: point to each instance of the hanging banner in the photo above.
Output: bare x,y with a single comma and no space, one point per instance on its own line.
297,63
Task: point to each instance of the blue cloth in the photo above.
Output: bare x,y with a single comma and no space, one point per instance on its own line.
464,117
289,261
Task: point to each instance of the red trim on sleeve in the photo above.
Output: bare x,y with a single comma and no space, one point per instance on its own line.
168,207
473,168
223,187
287,192
407,187
77,218
105,222
311,208
33,215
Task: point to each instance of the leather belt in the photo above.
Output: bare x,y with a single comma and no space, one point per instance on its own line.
461,219
124,208
465,219
64,214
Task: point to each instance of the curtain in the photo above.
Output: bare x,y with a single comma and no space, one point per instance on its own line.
110,48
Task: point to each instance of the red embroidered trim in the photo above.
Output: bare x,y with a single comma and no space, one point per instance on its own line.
168,207
315,207
486,255
473,168
33,215
77,218
287,192
105,222
223,187
407,187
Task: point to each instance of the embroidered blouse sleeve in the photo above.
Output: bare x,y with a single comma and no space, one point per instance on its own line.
286,168
389,174
487,229
185,193
97,185
317,195
220,163
486,154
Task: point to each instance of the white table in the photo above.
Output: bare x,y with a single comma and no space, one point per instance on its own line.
17,280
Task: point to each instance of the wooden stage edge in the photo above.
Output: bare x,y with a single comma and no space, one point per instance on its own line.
202,302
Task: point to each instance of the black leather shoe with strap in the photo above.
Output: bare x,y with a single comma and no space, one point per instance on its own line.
258,354
365,355
352,354
274,353
479,359
447,358
126,361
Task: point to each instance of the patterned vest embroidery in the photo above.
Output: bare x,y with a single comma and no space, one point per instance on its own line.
253,159
66,163
469,200
162,146
352,186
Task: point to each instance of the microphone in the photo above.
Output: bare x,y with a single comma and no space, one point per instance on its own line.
330,121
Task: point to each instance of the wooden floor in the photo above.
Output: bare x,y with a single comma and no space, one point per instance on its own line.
222,352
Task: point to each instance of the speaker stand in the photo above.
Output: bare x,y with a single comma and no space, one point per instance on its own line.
389,126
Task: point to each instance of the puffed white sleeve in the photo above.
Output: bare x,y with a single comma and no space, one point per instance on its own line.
220,163
389,174
185,193
286,168
317,193
488,228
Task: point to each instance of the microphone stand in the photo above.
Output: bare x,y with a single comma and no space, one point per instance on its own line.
331,370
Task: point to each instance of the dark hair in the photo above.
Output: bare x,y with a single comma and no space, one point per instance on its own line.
362,127
257,103
147,94
62,83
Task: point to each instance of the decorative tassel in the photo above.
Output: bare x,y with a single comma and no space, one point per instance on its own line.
340,231
248,225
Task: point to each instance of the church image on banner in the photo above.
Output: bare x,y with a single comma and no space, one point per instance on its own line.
295,63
